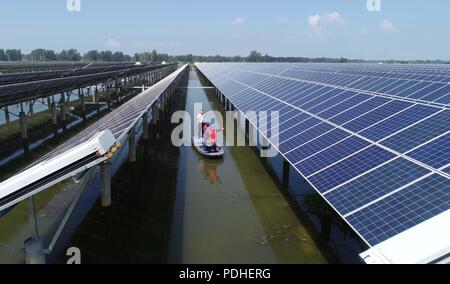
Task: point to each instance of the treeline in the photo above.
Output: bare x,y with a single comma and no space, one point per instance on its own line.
153,56
40,54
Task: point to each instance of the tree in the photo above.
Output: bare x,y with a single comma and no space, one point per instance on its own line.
91,55
69,55
154,56
105,56
254,56
118,56
3,56
14,55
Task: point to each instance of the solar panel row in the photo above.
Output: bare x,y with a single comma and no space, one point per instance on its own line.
123,118
369,138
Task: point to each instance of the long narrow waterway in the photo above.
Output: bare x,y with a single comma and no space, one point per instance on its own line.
175,206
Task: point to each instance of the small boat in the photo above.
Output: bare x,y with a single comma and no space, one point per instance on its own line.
198,144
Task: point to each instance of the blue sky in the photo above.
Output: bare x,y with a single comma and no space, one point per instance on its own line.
403,29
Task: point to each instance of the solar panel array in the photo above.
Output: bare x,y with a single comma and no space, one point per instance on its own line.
372,139
123,118
59,82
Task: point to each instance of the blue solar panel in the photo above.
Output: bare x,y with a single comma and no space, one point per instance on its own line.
331,155
376,115
374,185
363,181
296,138
444,100
359,110
338,108
433,88
299,128
316,145
329,101
413,89
419,133
435,153
398,122
403,210
349,168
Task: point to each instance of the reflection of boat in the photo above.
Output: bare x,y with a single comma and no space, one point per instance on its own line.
198,144
209,167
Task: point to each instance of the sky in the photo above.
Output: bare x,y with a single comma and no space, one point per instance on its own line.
402,29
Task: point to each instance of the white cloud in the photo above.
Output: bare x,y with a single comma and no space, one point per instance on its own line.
112,43
333,18
316,23
238,21
388,26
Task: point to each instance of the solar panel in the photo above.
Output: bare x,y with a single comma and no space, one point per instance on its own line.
120,120
372,139
20,92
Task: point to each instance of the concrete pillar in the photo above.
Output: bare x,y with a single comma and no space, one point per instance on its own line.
132,145
31,103
34,251
286,168
145,126
23,126
163,101
24,132
97,100
63,111
105,178
7,119
155,114
83,106
33,247
54,115
108,98
49,103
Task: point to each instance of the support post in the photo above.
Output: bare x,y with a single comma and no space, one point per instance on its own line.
34,252
31,104
132,145
106,184
97,100
83,106
63,111
108,97
145,126
286,168
24,131
155,114
7,119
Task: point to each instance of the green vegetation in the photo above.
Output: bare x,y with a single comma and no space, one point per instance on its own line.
11,129
42,55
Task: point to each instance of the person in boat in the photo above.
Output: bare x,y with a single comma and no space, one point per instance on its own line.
201,121
210,138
